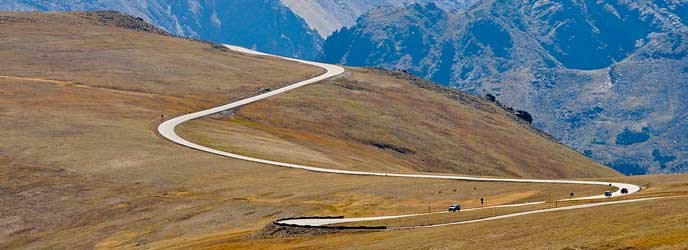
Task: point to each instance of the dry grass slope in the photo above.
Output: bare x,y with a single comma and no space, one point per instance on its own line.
647,225
81,166
371,119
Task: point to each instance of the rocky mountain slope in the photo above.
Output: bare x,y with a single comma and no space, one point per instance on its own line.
607,78
328,16
293,28
266,25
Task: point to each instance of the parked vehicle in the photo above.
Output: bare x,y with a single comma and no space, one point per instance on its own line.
454,208
607,194
624,190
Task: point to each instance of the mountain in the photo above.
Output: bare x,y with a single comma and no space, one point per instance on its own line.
328,16
294,28
266,25
608,78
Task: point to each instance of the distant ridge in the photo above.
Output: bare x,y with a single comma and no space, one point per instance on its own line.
266,25
592,73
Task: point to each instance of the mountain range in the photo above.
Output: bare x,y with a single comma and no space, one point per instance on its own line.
294,28
266,25
605,77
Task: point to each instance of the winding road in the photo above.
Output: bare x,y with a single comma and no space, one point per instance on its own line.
167,130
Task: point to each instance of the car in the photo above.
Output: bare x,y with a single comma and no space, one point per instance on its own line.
607,194
454,208
624,190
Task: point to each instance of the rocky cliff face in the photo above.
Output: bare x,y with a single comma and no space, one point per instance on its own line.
605,77
266,25
328,16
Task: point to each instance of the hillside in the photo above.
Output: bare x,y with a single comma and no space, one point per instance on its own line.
607,79
82,167
266,25
649,225
80,160
384,121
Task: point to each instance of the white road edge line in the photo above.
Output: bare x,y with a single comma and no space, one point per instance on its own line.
167,130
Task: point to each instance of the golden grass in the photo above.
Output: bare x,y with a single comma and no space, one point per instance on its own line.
654,186
337,121
658,224
81,166
80,103
69,48
443,218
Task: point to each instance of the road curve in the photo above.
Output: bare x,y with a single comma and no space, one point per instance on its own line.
167,130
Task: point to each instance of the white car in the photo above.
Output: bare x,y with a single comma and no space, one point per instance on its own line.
454,208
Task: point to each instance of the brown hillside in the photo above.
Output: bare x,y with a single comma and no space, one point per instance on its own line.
373,119
386,122
81,166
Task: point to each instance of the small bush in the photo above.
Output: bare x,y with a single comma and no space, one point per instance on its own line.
219,47
525,116
628,137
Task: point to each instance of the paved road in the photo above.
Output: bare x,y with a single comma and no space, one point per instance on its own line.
499,217
323,222
167,130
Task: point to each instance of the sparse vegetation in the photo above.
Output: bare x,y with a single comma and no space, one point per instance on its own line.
525,116
81,166
395,148
645,225
448,131
121,20
628,137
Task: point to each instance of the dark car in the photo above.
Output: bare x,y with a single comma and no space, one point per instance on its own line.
624,190
454,208
607,194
